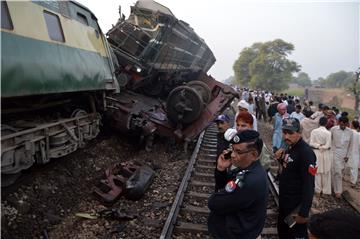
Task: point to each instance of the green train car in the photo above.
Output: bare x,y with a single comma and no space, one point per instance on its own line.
56,71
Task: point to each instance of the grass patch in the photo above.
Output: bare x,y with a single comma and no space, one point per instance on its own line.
295,91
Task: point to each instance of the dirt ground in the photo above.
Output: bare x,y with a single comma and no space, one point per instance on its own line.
45,205
337,97
324,203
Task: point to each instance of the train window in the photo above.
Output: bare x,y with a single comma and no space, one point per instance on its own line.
82,19
54,27
6,22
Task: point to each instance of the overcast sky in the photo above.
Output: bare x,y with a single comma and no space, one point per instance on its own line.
325,33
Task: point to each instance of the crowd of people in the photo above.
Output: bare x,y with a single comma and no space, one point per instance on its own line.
312,145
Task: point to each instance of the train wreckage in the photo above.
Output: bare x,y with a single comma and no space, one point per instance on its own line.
162,64
147,75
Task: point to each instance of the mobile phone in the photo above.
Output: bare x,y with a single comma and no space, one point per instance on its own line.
290,221
227,155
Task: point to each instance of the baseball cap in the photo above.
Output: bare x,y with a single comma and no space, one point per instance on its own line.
291,124
222,118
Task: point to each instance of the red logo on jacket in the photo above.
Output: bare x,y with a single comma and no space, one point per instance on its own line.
312,169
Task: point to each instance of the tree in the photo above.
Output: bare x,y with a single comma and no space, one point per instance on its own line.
266,65
302,79
340,79
355,89
241,65
320,82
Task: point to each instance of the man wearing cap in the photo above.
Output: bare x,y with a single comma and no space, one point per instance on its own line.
238,210
222,123
243,106
296,182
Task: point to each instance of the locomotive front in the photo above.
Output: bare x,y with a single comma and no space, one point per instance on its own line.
163,63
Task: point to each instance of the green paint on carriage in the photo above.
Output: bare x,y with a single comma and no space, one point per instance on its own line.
35,67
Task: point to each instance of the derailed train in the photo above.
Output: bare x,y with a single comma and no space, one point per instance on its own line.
60,75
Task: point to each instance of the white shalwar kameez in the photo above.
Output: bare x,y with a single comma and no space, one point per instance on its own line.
320,141
308,125
353,162
341,147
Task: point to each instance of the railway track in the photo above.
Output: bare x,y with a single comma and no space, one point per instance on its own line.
188,215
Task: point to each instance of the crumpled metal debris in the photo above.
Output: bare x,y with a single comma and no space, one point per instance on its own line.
112,186
128,178
139,182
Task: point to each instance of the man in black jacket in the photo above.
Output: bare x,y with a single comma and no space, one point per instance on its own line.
296,182
238,210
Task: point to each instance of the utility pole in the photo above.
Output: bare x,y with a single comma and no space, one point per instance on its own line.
356,90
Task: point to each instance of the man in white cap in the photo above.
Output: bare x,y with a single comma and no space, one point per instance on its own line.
243,106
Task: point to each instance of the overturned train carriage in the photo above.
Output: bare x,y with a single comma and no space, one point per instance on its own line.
55,72
157,52
163,62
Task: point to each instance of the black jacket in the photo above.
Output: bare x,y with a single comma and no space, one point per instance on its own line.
272,110
242,212
296,182
222,144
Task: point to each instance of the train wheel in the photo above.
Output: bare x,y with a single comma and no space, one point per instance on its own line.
123,79
184,105
202,88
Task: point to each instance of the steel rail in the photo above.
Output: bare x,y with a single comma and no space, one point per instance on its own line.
274,188
171,219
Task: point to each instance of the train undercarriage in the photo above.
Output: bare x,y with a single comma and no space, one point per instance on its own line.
187,111
44,134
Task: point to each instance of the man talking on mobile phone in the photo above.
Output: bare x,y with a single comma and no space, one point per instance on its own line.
238,209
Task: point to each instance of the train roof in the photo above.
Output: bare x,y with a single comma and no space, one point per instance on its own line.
153,6
85,8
